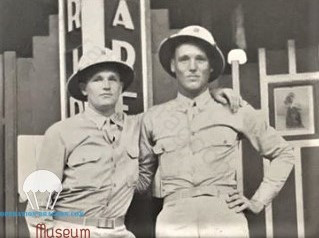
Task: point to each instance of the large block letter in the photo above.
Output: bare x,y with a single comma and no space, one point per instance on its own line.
74,14
118,46
123,16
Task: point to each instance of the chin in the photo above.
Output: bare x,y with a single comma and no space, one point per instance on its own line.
107,103
193,88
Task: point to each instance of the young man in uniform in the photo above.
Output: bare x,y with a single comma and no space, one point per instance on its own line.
194,141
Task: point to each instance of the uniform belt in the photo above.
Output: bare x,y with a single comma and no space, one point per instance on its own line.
214,191
107,223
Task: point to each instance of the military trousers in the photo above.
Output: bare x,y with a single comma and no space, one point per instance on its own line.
201,216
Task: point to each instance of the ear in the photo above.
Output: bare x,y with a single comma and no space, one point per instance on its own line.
211,67
122,86
173,66
83,88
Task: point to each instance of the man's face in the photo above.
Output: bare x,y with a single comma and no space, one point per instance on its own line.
192,68
103,89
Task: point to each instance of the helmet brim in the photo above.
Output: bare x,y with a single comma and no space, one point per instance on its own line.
126,76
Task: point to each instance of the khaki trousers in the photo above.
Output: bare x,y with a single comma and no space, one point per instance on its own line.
202,216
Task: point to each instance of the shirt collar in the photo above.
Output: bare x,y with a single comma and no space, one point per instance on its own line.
201,100
99,119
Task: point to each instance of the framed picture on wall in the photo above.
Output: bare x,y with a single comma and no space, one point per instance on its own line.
294,110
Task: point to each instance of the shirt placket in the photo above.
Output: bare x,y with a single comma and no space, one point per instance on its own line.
191,113
109,136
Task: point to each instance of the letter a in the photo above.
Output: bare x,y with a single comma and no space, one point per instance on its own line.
123,16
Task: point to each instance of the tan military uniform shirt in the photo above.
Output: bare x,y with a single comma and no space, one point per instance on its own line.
195,143
96,159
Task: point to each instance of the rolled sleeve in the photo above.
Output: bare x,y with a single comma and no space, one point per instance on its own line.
52,156
272,146
53,153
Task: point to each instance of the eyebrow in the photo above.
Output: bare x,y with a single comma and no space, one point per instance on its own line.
185,56
115,76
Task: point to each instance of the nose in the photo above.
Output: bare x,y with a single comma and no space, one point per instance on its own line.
106,83
192,65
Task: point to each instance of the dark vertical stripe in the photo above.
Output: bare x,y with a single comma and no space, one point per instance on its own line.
253,175
284,210
310,179
10,86
24,97
2,181
133,37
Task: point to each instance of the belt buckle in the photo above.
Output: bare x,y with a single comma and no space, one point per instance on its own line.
106,223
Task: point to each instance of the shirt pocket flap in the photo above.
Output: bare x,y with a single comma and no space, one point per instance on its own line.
81,157
219,141
165,145
133,152
217,137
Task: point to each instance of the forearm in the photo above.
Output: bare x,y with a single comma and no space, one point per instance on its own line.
275,177
147,169
271,146
52,158
147,158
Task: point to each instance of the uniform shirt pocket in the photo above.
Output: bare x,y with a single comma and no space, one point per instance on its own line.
170,156
83,157
219,137
85,169
167,144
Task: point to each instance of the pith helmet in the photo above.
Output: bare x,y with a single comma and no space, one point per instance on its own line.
196,34
93,61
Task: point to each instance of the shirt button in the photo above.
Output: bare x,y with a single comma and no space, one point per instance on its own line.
225,141
114,185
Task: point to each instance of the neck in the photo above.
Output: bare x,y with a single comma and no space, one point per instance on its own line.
105,111
191,94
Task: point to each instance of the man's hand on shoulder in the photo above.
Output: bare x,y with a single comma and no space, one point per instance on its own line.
227,96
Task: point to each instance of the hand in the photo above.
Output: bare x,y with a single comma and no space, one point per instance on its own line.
240,203
228,96
34,220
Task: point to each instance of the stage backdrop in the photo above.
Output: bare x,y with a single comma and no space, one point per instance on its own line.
87,26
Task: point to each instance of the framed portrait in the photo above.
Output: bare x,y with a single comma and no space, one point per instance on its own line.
294,110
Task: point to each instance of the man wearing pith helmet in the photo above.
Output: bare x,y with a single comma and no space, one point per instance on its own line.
94,153
194,141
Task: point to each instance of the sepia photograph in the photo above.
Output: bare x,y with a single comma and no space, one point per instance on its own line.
294,110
